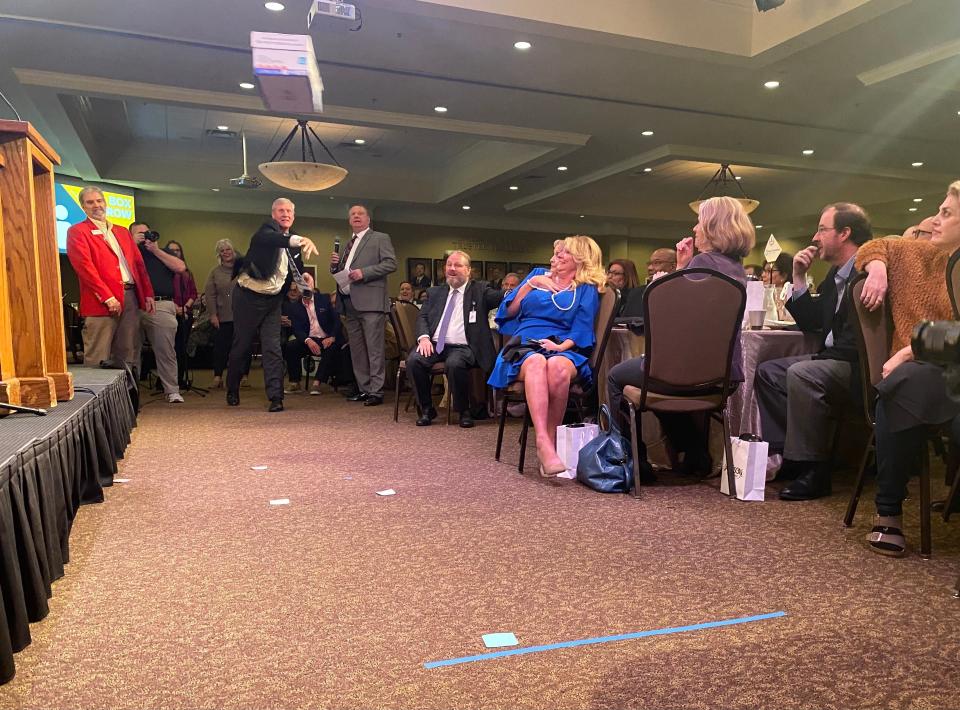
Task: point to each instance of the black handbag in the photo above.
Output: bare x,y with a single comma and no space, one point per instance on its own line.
606,463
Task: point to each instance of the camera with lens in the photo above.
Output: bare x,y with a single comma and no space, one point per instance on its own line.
305,290
938,342
151,236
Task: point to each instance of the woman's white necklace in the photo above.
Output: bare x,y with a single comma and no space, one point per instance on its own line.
553,296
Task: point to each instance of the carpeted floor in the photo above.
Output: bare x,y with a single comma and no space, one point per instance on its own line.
187,589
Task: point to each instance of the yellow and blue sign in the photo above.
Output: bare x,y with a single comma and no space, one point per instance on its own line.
120,209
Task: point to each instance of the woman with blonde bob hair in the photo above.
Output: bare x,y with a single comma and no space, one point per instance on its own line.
549,319
723,235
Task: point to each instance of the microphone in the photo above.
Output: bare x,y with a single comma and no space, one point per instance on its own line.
336,248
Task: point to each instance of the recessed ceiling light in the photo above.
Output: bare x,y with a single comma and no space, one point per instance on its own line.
916,165
223,128
758,226
514,187
359,141
522,45
581,216
808,151
912,209
771,84
648,170
215,189
561,168
275,6
466,207
737,177
440,109
247,85
646,133
918,199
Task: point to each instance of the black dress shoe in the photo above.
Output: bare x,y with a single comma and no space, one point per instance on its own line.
372,400
466,421
814,482
276,405
358,397
427,418
233,398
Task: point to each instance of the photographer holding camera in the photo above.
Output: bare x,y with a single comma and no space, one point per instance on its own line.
160,325
910,274
272,262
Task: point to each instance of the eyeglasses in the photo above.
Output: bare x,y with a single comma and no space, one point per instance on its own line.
611,272
822,230
918,232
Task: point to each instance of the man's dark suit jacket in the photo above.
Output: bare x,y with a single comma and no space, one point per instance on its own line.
478,296
820,315
261,258
327,317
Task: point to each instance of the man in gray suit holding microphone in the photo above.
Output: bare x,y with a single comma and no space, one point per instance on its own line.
361,276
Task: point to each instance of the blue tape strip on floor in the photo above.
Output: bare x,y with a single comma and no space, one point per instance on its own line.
602,639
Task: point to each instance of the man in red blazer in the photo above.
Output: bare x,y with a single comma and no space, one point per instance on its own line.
114,284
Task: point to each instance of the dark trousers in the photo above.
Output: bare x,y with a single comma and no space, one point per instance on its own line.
222,340
295,350
255,312
898,456
459,359
802,401
184,326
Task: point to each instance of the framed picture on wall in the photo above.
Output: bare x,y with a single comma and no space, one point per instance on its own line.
419,272
439,271
520,268
494,272
476,271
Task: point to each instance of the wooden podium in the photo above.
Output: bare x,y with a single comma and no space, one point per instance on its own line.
33,357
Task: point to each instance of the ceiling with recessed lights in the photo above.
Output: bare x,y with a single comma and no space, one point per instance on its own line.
614,117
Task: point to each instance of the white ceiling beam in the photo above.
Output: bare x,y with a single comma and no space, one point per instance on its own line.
115,88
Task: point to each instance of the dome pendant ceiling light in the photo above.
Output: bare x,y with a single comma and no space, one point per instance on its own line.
719,185
302,175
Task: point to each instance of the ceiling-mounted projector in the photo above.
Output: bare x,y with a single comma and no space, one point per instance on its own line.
328,8
764,5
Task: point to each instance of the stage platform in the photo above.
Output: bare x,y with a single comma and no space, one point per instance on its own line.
49,466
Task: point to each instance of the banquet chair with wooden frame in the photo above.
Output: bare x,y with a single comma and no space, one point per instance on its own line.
403,315
874,330
580,396
691,326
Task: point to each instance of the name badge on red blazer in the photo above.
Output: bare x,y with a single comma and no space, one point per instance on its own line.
97,231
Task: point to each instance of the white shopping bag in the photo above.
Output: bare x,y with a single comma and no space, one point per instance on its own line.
570,439
749,468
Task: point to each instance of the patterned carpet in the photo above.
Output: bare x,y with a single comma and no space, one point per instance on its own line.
187,589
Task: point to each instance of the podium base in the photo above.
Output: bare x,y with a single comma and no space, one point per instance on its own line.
63,385
37,392
9,393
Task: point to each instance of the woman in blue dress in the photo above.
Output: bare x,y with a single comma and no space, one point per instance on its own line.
549,320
